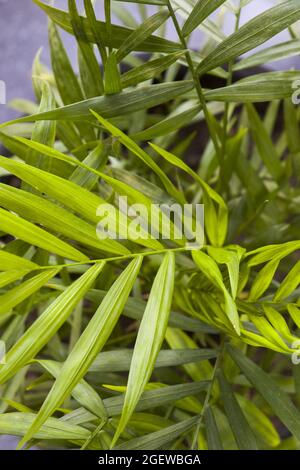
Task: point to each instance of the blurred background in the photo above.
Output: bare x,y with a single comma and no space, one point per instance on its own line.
23,31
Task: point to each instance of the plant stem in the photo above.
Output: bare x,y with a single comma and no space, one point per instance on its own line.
196,81
113,258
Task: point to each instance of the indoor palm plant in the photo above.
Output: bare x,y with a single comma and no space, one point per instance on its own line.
143,343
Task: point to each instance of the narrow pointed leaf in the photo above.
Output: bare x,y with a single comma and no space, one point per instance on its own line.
10,276
265,146
141,33
217,226
159,439
199,13
78,199
289,284
150,338
17,424
212,432
270,54
92,73
149,70
252,34
10,261
118,33
52,216
82,392
134,148
24,230
211,270
120,360
16,295
88,345
112,76
157,397
243,434
128,101
45,327
279,402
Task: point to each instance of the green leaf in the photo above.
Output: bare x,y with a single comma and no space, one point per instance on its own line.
212,432
10,276
95,159
128,101
211,270
216,224
88,345
294,313
199,13
269,54
252,34
65,78
120,360
45,327
269,333
259,422
263,280
157,397
265,146
149,339
142,236
43,131
118,33
256,89
134,148
78,199
270,391
243,434
278,322
96,32
66,81
92,73
17,424
231,259
176,338
135,308
82,392
291,128
16,295
10,261
158,439
141,33
24,230
289,284
112,76
149,70
55,218
272,252
170,124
